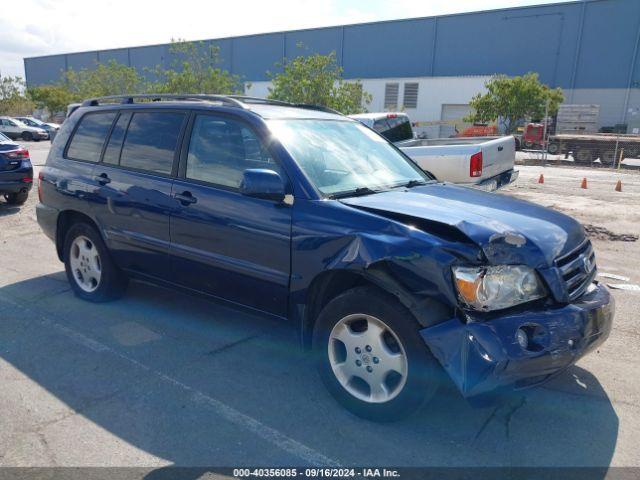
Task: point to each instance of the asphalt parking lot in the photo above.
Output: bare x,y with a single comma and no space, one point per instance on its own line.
158,378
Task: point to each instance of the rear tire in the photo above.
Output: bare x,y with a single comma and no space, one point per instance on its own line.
371,357
27,136
91,272
583,155
608,157
16,198
553,149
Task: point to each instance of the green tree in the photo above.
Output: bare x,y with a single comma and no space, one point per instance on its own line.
12,99
510,99
317,79
54,98
194,70
111,78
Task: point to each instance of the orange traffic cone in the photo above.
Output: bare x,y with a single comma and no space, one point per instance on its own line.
541,179
584,183
619,186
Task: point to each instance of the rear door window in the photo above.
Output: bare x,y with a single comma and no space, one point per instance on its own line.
151,141
89,137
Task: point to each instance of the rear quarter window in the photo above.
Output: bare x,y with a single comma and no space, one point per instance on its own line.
89,137
151,140
394,129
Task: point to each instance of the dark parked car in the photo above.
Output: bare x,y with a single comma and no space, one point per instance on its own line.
309,216
16,172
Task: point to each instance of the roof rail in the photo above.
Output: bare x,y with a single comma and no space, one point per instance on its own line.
267,101
240,101
319,108
264,101
156,97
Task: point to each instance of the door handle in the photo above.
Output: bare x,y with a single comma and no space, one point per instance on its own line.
102,179
185,198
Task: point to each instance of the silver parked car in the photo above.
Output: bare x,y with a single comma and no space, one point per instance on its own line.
51,128
14,128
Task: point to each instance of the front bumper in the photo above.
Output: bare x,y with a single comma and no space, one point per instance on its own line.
482,356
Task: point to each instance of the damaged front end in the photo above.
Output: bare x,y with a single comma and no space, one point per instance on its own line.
523,348
541,311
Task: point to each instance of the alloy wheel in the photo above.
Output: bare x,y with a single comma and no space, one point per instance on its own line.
85,264
367,358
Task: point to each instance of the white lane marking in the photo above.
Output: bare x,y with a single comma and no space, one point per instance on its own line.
230,414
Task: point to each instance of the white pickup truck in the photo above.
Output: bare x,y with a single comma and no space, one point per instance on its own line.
481,162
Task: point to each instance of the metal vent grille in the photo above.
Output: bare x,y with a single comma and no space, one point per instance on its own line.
578,269
391,96
410,99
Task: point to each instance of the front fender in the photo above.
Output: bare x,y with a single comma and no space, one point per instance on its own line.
410,264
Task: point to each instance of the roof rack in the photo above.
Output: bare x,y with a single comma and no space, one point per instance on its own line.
266,101
156,97
258,100
319,108
240,101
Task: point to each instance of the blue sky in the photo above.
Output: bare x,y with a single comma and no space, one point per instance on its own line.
57,26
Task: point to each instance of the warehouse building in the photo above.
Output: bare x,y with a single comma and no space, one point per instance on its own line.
431,67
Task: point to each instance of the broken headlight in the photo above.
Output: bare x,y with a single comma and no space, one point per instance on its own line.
495,288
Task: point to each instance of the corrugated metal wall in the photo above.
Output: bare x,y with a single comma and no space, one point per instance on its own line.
588,44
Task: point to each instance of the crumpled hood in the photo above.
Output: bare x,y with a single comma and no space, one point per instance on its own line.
508,230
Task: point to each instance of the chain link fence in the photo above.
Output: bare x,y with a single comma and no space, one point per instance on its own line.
580,133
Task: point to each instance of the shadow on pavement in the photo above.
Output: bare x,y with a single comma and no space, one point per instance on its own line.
158,371
6,209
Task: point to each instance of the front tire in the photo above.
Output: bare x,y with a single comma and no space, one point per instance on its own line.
16,198
91,272
27,136
371,357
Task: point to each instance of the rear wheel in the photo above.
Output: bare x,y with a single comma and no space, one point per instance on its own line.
583,155
608,156
27,136
371,357
90,270
631,152
16,198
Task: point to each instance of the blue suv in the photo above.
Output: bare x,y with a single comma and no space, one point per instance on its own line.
308,216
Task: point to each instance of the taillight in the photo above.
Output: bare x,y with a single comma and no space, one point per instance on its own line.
40,187
20,153
475,167
27,180
392,115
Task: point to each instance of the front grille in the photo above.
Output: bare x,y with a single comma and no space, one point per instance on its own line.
578,269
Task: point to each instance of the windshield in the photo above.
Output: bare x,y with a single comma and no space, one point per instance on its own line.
4,138
343,158
34,122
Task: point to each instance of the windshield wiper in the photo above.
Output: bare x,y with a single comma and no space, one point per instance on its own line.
354,193
414,183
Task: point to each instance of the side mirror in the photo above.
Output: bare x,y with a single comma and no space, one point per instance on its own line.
262,183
